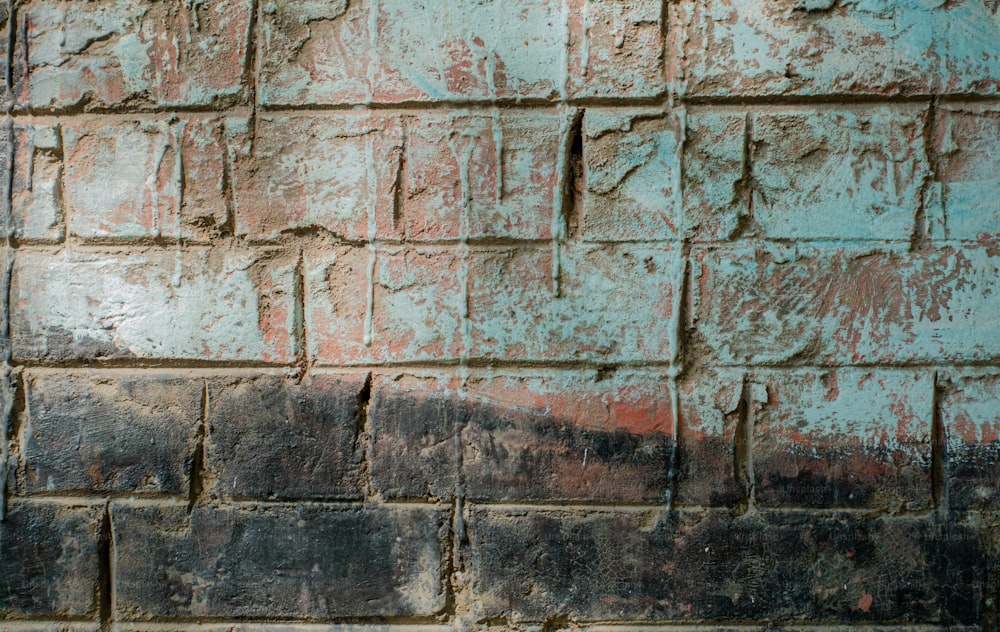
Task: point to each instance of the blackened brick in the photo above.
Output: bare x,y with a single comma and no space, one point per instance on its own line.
279,561
971,422
415,420
110,433
271,437
49,560
712,565
568,435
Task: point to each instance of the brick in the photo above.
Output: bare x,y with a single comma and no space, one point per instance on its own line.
838,174
270,437
581,435
343,180
98,433
396,51
153,305
278,561
969,170
145,179
615,303
415,417
632,173
971,423
416,311
819,47
713,566
843,304
36,200
504,164
49,560
716,173
847,437
131,53
281,627
616,49
707,438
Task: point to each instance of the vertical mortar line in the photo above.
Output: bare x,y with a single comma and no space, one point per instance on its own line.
105,572
300,334
363,440
569,123
372,184
921,222
178,135
939,451
742,455
196,486
679,311
11,43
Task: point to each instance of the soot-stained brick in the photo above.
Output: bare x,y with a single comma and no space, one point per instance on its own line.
49,560
844,437
795,566
278,561
114,433
710,402
415,420
971,422
271,437
568,435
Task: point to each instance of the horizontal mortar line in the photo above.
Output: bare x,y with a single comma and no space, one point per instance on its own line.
831,99
942,364
185,363
748,625
146,363
50,118
85,494
27,621
708,510
255,504
600,504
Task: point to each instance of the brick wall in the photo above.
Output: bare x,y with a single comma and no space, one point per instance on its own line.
508,314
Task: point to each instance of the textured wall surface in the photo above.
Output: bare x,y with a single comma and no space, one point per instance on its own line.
604,315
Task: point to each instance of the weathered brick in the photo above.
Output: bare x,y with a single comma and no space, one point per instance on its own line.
616,48
145,179
632,173
396,51
270,437
966,137
716,173
49,560
278,561
844,437
707,434
972,433
480,176
838,174
566,435
155,304
615,303
343,180
845,304
794,566
415,421
814,47
131,53
89,432
416,312
36,199
282,627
